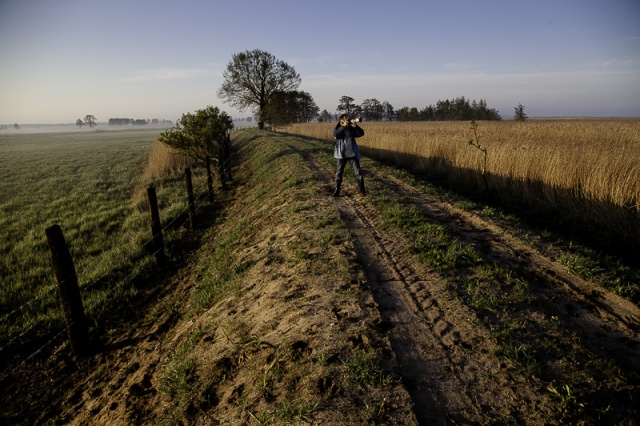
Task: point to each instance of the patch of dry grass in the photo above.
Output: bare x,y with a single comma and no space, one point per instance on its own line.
163,160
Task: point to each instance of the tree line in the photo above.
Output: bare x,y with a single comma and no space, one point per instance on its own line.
136,122
287,108
455,109
6,126
258,81
91,121
292,106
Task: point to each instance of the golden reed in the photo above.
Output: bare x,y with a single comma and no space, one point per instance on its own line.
586,169
163,161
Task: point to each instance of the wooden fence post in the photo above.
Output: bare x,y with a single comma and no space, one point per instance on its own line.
227,157
209,178
156,226
70,297
192,206
221,166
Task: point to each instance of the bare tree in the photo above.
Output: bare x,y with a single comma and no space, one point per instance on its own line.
252,78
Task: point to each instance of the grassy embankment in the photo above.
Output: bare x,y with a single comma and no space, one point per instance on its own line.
93,184
278,327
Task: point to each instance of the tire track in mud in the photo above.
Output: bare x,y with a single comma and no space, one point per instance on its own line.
428,371
610,323
431,336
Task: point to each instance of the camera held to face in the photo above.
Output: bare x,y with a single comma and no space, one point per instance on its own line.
355,120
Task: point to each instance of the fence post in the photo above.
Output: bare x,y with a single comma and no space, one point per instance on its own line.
156,226
221,166
209,178
227,157
70,297
192,206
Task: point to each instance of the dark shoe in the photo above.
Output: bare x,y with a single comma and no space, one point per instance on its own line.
361,185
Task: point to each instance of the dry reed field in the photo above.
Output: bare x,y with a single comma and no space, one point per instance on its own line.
584,169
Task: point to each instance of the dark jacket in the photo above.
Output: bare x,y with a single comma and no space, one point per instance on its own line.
346,146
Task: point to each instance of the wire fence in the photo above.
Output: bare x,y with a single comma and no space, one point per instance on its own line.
181,219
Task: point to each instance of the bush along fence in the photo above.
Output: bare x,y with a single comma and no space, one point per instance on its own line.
65,272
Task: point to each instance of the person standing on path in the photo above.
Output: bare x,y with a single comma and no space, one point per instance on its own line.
346,150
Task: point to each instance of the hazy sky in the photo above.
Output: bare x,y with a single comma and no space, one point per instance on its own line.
61,60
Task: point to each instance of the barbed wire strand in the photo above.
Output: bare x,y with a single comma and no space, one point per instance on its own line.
86,268
24,305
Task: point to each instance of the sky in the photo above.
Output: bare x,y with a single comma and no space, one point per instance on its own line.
61,60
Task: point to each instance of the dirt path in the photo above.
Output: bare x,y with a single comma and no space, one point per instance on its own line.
446,360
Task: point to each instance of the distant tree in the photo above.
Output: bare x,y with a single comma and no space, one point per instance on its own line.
306,106
79,123
200,134
461,109
90,120
325,116
345,105
366,108
291,107
519,113
403,114
372,109
281,109
428,113
252,78
411,114
482,112
249,119
388,111
16,126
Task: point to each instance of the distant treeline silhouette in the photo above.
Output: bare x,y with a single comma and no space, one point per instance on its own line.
136,122
455,109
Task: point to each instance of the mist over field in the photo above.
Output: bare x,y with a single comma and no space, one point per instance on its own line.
57,128
101,127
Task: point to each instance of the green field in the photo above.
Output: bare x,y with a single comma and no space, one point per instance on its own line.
89,183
